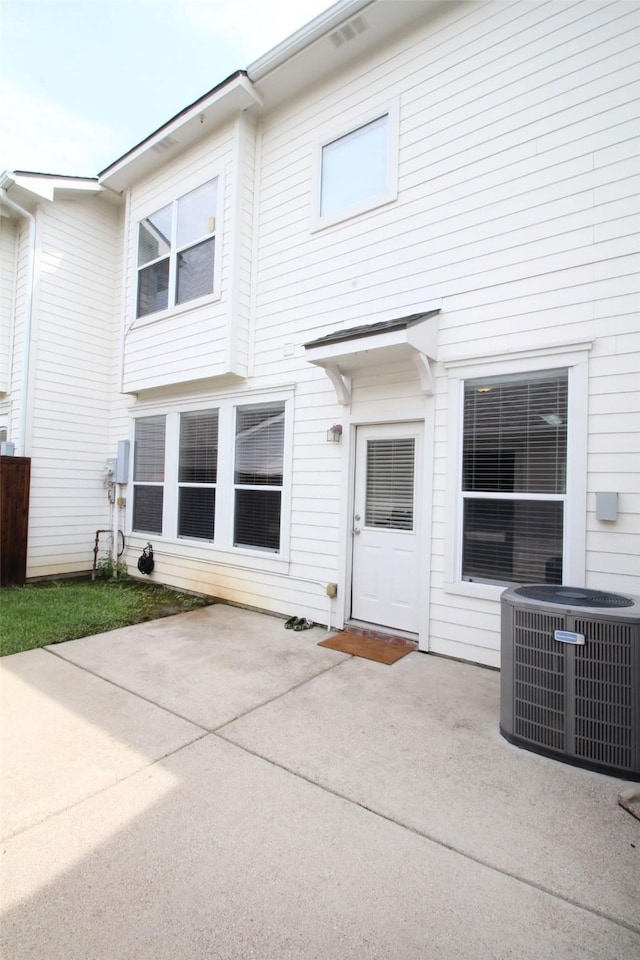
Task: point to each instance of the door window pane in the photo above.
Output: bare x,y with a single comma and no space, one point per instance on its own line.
389,492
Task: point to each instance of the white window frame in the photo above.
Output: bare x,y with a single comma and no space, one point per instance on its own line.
574,358
172,199
388,195
222,545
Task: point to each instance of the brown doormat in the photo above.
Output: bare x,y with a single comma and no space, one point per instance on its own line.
366,647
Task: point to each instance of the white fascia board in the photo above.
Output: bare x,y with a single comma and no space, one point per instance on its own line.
194,123
306,35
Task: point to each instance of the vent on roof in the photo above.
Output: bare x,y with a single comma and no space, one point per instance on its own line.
349,31
166,144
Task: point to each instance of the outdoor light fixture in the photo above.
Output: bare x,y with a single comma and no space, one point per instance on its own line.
334,433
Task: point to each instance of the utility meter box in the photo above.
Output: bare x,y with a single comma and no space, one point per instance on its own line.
122,463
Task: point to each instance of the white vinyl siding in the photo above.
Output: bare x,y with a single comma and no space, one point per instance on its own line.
73,356
515,214
8,264
206,337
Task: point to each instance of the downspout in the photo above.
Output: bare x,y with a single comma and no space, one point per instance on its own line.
26,349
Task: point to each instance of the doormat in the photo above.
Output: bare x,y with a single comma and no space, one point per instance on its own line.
366,647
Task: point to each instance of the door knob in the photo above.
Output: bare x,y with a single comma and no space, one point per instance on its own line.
356,530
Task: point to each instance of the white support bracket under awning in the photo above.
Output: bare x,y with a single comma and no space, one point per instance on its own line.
344,352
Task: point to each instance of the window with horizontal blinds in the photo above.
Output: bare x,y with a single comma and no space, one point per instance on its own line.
258,475
197,474
389,483
514,469
148,474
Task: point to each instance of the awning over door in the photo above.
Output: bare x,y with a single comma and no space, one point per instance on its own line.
344,352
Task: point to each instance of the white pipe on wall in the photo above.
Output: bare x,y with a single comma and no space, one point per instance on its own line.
22,448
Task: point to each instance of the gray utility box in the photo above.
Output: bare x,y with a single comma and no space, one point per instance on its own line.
570,676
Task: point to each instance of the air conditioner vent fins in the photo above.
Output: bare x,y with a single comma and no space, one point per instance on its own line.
570,676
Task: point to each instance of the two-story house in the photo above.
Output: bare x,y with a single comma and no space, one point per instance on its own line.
367,315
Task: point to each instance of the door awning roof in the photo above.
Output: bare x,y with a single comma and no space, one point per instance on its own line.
345,352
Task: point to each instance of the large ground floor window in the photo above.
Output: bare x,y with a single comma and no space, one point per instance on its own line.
214,474
514,477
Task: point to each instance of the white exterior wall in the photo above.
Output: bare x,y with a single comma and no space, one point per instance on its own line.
72,360
514,215
208,339
8,254
517,147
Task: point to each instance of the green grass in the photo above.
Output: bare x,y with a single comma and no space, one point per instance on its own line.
43,613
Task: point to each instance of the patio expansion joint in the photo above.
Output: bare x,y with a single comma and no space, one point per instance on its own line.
133,693
541,888
108,786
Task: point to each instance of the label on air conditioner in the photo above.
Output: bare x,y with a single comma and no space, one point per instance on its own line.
567,636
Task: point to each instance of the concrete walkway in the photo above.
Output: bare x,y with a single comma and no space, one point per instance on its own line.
215,786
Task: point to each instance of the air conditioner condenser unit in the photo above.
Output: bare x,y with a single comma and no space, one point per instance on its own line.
570,675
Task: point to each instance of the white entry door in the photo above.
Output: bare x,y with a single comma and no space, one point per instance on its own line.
385,577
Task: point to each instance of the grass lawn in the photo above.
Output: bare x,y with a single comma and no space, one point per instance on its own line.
51,612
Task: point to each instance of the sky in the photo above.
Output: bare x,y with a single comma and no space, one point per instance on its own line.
83,81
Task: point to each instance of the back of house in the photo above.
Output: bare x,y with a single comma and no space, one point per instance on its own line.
363,321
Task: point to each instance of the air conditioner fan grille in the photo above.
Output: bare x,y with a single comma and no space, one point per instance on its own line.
572,596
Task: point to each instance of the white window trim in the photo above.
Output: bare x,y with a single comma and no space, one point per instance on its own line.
318,222
572,357
223,543
163,200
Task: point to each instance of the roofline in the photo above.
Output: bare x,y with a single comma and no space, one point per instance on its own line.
306,35
168,123
51,176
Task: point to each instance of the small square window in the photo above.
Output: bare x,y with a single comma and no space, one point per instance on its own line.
356,170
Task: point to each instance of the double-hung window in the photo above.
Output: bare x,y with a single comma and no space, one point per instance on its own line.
213,475
197,474
358,171
514,476
148,474
176,251
259,457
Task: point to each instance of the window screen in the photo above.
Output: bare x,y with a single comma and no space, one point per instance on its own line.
259,453
514,477
148,474
197,474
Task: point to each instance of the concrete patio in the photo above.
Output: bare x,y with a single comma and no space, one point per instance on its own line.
215,786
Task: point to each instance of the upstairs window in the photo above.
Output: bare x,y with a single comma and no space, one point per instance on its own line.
514,474
176,251
358,170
